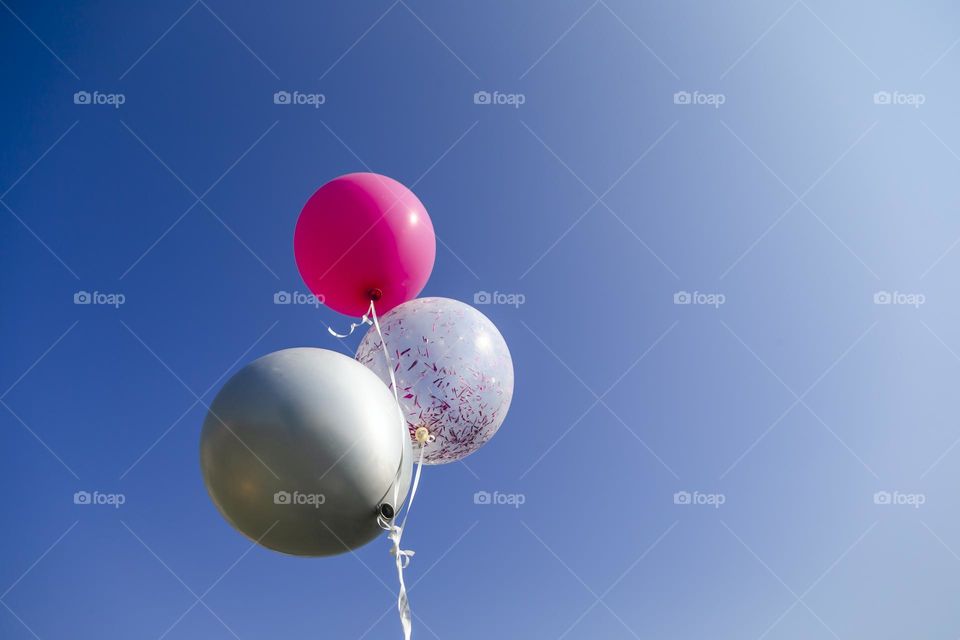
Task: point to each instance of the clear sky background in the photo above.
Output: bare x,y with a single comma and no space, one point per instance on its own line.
786,189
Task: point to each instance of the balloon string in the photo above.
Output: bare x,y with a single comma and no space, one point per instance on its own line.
404,434
401,556
353,325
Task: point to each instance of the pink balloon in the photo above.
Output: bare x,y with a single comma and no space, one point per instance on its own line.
364,236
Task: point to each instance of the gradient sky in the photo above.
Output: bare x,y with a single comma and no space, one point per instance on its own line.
808,188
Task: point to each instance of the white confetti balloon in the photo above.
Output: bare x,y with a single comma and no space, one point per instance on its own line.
453,369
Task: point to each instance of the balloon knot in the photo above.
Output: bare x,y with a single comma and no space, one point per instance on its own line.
422,435
375,294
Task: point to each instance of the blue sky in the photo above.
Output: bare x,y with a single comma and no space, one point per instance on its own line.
734,229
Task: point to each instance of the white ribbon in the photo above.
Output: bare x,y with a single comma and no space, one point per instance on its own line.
353,327
402,556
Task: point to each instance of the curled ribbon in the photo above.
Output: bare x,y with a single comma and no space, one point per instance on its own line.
353,326
402,557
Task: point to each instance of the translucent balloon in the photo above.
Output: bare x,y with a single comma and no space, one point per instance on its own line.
454,373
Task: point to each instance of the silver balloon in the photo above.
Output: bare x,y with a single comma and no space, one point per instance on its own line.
302,449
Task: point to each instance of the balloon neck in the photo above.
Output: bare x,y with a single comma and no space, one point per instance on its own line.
375,294
387,511
422,435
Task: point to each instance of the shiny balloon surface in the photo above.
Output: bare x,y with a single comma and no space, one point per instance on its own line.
300,449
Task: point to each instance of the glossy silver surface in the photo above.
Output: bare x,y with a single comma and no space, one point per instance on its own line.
300,448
